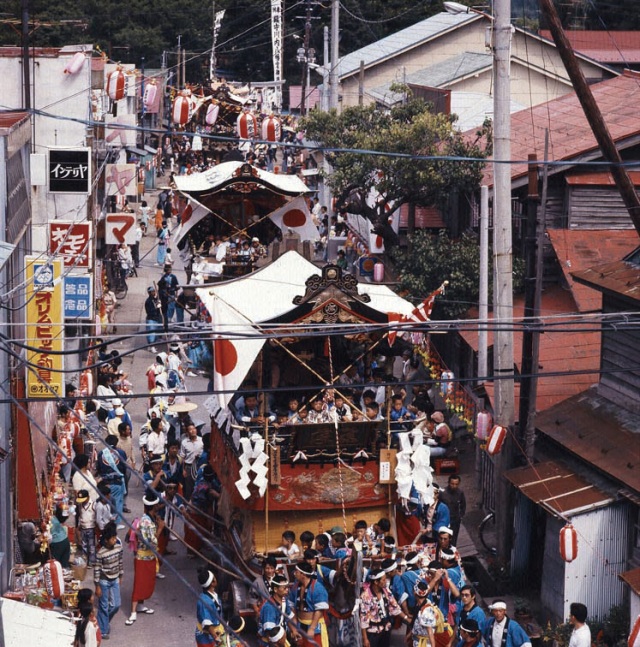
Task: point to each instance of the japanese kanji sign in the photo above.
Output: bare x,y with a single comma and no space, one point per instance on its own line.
121,179
120,228
120,130
45,327
72,241
77,297
70,170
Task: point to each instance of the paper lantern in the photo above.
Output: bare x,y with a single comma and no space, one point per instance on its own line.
271,129
117,84
149,96
181,112
496,440
212,114
53,578
247,126
378,272
568,543
75,64
483,425
634,636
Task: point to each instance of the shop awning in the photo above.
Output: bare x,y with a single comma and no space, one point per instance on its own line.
632,579
24,624
557,489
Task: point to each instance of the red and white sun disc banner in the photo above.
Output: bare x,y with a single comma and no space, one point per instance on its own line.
295,216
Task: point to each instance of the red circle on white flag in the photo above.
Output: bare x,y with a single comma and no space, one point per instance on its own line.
294,218
226,356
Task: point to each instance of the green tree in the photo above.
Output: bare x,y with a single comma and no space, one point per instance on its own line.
433,259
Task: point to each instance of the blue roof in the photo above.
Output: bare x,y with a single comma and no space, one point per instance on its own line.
403,40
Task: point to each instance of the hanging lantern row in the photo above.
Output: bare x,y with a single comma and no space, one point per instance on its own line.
183,107
568,543
484,422
150,93
496,439
272,129
117,84
75,64
247,125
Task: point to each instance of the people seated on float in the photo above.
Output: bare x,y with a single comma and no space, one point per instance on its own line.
306,540
350,376
244,253
441,437
257,250
338,543
288,547
376,533
399,414
318,412
323,573
372,412
282,419
340,409
294,406
389,547
322,545
249,413
368,396
208,245
300,418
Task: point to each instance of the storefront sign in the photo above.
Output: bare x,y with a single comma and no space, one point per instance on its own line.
120,228
72,241
45,327
77,297
70,170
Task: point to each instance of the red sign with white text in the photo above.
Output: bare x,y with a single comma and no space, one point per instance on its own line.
72,241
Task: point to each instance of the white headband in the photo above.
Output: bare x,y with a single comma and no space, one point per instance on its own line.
413,560
377,576
207,584
278,636
498,606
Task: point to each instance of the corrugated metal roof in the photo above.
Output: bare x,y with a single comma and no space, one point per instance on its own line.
438,76
10,119
403,40
569,133
599,432
617,277
605,46
599,178
578,249
582,354
632,578
557,489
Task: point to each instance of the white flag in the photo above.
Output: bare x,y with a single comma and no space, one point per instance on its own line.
295,216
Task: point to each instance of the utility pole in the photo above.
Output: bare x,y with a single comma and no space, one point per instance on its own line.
26,62
529,364
178,66
502,254
593,114
483,298
335,53
305,61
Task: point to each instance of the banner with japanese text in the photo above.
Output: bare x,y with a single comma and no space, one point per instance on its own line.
45,327
71,241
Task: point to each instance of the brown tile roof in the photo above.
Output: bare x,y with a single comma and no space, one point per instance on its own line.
581,355
599,432
569,131
604,46
632,578
9,119
618,277
579,250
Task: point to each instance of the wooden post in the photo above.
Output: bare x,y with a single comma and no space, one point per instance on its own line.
361,84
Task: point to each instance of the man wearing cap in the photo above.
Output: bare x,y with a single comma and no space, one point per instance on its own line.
311,600
144,562
167,290
377,607
441,437
502,631
277,610
469,609
153,316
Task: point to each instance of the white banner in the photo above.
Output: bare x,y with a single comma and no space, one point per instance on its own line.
276,42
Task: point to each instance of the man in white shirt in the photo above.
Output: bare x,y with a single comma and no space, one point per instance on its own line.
190,449
502,631
581,634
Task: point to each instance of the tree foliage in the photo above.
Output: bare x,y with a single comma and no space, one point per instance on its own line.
434,259
397,139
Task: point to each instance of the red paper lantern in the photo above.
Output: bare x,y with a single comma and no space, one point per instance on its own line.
271,129
53,578
483,425
116,84
181,112
75,64
212,114
150,92
496,440
568,543
247,126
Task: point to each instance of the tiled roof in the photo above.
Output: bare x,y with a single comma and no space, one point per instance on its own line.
9,119
569,133
605,46
582,354
577,250
620,277
403,40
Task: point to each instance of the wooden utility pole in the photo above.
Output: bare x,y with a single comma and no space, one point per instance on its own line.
593,114
26,62
333,72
